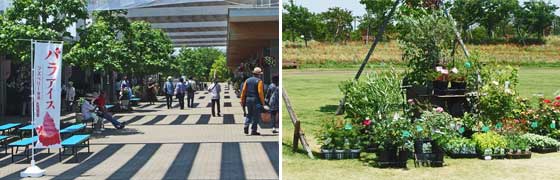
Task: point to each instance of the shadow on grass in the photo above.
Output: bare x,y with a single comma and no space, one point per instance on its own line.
328,108
299,150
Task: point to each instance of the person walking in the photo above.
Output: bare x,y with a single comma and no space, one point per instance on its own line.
168,89
215,90
252,97
151,91
191,88
70,95
180,90
273,99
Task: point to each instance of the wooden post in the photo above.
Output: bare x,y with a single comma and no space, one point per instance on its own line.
296,136
298,132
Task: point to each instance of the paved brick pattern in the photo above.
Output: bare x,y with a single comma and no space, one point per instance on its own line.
166,144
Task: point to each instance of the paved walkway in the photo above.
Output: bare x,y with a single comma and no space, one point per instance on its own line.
167,144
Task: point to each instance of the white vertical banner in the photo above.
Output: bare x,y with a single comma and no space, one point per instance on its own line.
46,93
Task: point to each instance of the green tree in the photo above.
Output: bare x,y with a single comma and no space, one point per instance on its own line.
220,69
536,17
43,20
298,21
150,50
197,62
467,13
376,10
497,13
99,49
338,23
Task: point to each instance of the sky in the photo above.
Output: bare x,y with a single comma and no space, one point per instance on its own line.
357,9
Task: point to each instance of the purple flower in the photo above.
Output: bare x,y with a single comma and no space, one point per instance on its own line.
439,109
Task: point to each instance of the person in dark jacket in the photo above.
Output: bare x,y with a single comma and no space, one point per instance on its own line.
252,97
273,98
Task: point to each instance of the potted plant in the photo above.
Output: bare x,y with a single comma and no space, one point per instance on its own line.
490,144
355,145
541,144
426,40
325,136
433,130
440,80
460,147
517,147
457,77
395,141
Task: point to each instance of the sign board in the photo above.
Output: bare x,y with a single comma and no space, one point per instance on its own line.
46,90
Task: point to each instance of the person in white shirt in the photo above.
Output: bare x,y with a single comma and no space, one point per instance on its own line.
70,95
215,90
88,112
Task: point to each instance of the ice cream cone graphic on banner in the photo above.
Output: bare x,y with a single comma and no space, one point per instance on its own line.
48,133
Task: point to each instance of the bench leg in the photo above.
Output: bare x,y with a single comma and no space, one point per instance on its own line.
88,146
60,154
75,150
12,148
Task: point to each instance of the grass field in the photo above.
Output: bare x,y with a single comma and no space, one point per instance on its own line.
314,94
325,54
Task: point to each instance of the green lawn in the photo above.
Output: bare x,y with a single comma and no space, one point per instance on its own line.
315,95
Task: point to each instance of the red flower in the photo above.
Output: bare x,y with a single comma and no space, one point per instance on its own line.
547,101
557,104
366,122
558,97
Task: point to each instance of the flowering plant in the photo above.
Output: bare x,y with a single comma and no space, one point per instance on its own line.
543,119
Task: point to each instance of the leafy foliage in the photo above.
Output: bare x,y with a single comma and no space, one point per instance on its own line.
499,95
460,145
150,50
490,140
426,40
197,62
538,141
220,69
377,95
438,126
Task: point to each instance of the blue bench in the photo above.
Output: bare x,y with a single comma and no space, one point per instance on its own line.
74,142
68,130
134,101
72,129
24,129
4,140
8,127
23,143
109,106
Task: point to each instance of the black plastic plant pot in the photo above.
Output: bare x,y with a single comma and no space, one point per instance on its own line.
462,156
354,153
419,143
544,150
468,133
386,157
403,157
340,154
327,153
440,87
458,85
